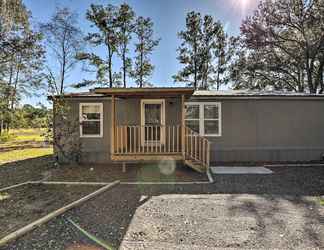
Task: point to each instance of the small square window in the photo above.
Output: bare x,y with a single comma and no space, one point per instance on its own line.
91,119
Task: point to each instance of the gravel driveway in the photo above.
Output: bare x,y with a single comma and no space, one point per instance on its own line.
279,211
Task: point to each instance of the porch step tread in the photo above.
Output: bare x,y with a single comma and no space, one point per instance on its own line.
196,165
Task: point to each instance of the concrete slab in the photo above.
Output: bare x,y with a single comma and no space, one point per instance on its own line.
240,170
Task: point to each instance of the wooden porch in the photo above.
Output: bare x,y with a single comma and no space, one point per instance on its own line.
151,142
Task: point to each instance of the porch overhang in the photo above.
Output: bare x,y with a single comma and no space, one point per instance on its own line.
145,92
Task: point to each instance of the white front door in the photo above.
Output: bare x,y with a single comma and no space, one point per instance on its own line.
152,121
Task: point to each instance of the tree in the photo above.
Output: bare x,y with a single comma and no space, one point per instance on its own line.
21,57
143,49
125,24
205,52
217,50
188,52
104,19
64,38
284,46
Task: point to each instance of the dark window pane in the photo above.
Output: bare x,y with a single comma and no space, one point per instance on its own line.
91,128
91,116
211,127
211,112
193,124
152,114
192,112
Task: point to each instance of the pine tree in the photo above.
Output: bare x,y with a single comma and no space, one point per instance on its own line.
105,20
189,50
145,44
125,24
205,52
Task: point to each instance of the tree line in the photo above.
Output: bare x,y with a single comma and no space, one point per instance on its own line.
280,47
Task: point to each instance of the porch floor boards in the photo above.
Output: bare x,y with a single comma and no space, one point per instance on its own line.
146,156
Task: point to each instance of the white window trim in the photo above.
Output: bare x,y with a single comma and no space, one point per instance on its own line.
81,119
153,101
202,117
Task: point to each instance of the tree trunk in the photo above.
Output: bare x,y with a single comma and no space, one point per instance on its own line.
124,68
62,75
110,68
1,126
141,70
195,66
311,88
14,93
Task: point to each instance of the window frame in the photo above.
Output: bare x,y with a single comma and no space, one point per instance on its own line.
202,117
81,105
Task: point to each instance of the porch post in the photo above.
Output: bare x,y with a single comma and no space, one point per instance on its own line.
183,126
113,117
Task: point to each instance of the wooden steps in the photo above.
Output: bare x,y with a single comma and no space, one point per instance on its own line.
196,165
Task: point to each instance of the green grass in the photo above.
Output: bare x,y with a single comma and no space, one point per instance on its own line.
27,134
21,137
321,201
17,155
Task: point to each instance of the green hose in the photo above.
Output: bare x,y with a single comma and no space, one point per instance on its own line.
90,236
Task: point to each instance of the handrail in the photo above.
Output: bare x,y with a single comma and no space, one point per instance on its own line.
197,147
161,139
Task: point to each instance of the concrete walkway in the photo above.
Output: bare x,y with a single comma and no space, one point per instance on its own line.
240,170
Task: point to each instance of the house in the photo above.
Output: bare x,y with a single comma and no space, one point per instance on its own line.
198,127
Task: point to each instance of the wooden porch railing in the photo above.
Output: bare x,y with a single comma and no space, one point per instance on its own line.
155,139
162,140
197,148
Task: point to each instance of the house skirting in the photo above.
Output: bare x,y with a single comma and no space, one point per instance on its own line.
282,154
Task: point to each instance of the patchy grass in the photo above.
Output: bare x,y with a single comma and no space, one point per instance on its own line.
17,155
22,139
28,134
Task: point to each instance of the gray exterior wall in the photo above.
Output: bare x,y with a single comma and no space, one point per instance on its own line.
94,149
128,112
253,129
265,129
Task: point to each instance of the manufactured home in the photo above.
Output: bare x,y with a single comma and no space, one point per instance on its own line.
200,127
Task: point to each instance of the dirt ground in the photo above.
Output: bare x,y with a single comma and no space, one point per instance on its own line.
43,168
278,211
25,204
148,172
25,170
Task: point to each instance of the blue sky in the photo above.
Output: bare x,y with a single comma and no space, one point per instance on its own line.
168,17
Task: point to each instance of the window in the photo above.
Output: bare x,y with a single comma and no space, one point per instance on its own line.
192,117
91,119
204,118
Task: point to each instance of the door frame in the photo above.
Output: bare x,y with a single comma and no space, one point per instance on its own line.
162,130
